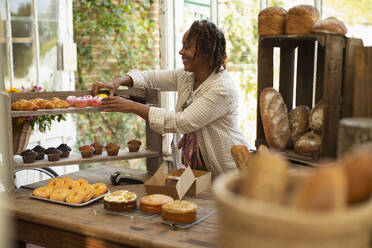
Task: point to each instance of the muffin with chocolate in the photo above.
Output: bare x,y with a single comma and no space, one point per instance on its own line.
53,154
134,145
29,156
65,149
112,149
98,148
86,151
40,152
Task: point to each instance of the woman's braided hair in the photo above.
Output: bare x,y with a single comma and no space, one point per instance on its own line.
211,42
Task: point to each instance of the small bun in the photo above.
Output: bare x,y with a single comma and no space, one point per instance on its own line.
300,19
271,21
331,25
309,143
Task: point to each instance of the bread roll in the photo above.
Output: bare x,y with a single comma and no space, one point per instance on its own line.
266,178
317,116
298,122
308,143
331,25
300,19
271,21
274,118
358,166
324,189
241,155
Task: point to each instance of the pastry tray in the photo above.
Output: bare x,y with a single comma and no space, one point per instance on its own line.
201,215
71,204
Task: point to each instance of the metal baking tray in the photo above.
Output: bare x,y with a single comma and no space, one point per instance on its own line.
70,204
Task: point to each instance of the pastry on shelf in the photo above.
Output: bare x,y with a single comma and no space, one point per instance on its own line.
86,151
81,102
29,156
134,145
112,149
41,152
24,105
71,100
120,201
179,212
65,149
61,104
98,148
96,101
46,104
53,154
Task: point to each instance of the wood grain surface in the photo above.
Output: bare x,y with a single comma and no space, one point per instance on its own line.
54,225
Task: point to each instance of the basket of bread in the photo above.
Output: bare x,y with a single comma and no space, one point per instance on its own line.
268,203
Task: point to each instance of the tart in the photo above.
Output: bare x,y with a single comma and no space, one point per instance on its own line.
152,203
120,201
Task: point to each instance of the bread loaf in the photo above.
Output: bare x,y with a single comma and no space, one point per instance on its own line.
331,25
324,189
298,122
274,118
358,166
317,116
266,178
308,143
300,19
241,155
271,21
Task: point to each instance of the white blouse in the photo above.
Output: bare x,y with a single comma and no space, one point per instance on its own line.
212,115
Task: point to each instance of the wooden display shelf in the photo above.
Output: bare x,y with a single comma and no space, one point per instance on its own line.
75,158
55,111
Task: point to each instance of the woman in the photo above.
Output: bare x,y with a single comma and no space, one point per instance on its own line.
207,105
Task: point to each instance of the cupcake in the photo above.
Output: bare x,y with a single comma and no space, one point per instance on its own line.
71,100
86,151
112,149
65,149
134,145
40,152
53,154
29,156
98,148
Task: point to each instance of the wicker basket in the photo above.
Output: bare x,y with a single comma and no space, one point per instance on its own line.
21,136
250,223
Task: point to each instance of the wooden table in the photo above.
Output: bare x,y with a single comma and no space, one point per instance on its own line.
54,225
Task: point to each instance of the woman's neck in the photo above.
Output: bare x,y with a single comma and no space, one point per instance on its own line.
201,76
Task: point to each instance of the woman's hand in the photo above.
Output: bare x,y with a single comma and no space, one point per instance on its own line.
112,85
119,104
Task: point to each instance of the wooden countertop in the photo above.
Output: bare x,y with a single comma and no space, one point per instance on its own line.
93,221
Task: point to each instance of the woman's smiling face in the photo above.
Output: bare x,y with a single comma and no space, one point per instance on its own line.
191,60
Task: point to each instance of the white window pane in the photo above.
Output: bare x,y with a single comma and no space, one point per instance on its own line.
356,15
48,54
47,9
24,64
20,8
287,4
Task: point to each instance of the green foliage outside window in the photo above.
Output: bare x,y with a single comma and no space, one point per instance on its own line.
112,38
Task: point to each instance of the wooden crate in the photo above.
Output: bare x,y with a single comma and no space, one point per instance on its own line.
332,58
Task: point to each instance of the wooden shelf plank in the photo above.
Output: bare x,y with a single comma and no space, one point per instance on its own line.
55,111
75,158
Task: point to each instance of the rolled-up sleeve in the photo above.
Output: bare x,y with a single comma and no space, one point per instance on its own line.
213,104
165,80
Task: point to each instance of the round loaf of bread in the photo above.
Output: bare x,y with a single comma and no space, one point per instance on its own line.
358,166
300,19
152,203
271,21
331,25
317,116
274,117
179,212
325,189
309,143
298,122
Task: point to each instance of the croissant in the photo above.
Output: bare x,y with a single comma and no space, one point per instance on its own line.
46,104
55,99
28,106
61,104
36,100
16,105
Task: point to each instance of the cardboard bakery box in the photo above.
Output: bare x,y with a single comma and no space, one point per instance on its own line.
203,181
170,184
